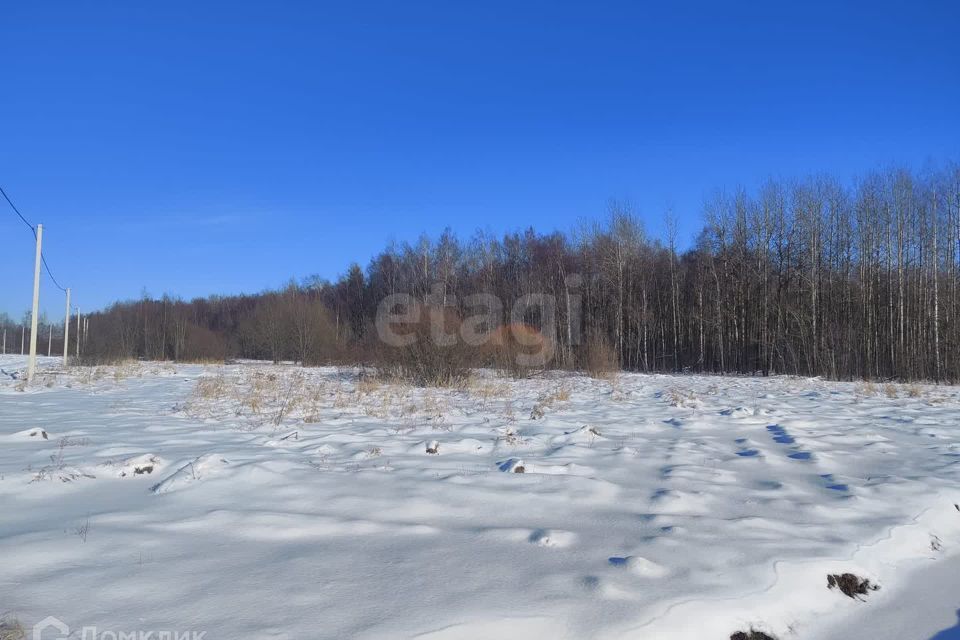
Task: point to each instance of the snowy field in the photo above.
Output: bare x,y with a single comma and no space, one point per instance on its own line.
260,501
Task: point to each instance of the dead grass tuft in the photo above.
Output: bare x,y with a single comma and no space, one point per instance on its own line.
866,389
211,388
548,399
367,385
510,436
508,414
487,390
11,629
681,398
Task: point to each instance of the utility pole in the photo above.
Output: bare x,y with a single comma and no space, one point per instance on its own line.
23,341
49,338
4,341
32,363
78,333
66,330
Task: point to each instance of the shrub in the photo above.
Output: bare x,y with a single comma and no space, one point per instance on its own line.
517,349
426,361
599,358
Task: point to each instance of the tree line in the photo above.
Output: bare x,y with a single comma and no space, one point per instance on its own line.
16,335
806,277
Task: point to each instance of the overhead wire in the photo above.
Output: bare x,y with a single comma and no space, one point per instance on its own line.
33,230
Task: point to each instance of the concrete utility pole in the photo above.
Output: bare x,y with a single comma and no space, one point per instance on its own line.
66,330
32,363
4,342
49,338
78,333
23,341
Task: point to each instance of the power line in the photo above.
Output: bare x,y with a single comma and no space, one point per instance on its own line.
14,207
47,267
33,230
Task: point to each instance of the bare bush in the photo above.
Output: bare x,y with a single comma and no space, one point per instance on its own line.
517,350
426,358
600,359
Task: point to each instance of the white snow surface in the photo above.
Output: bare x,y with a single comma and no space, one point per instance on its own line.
262,501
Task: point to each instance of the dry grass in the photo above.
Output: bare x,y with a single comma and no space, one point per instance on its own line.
486,389
40,379
681,398
367,385
509,436
508,414
548,400
314,401
211,388
609,375
865,389
377,406
258,395
891,390
117,372
11,629
122,370
271,393
341,399
386,398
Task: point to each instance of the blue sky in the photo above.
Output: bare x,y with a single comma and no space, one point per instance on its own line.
221,147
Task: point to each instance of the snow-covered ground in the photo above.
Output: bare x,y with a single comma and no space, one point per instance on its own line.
259,501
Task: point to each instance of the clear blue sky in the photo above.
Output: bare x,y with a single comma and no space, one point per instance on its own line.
220,147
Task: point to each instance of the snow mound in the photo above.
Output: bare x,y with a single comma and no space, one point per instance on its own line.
584,435
199,469
142,465
640,566
27,435
552,538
